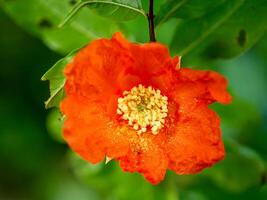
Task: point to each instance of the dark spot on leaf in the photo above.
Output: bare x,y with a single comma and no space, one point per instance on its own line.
242,37
45,23
215,50
263,179
73,2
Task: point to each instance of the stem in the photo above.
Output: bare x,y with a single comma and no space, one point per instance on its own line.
74,10
150,18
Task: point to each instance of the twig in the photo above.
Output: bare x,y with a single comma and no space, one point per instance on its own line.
150,17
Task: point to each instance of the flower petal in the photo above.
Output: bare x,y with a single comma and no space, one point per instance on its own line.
102,65
153,64
195,142
145,156
205,85
89,131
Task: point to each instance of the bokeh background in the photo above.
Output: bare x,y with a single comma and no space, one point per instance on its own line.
36,164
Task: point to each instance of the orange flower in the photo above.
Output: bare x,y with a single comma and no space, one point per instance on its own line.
132,103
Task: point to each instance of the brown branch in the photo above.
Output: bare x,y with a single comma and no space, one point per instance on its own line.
150,17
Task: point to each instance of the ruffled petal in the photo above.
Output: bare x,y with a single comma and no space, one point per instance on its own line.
155,67
89,131
103,65
195,141
208,86
146,156
115,65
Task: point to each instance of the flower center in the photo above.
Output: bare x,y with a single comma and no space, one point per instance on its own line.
143,108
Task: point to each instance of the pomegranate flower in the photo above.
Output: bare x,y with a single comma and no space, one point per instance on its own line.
134,104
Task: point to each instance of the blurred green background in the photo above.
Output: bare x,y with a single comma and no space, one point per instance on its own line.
35,164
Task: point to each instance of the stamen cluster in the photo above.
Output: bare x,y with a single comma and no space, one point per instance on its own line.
143,108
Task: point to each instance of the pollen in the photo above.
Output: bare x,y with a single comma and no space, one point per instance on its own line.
144,109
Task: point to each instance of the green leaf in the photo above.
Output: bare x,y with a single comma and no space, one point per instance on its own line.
57,81
184,9
227,31
110,181
193,32
41,18
119,10
234,121
240,32
242,168
168,10
54,124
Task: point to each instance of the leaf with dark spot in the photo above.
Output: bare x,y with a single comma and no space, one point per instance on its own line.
45,23
263,179
215,35
36,16
242,37
73,2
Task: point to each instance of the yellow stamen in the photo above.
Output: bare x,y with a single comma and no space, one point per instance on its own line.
143,108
